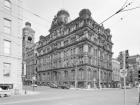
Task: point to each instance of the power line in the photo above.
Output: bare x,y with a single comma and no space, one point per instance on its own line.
35,22
124,4
36,15
24,18
130,9
122,9
29,11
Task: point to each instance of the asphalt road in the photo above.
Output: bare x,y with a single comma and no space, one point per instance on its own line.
48,96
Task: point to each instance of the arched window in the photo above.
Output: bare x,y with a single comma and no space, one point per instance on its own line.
7,4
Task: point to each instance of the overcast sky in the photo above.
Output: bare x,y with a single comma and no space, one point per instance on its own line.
125,27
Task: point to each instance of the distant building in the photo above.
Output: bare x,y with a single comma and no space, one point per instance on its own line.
75,52
134,67
28,53
11,44
132,71
115,72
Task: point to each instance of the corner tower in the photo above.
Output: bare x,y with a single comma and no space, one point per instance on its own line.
28,38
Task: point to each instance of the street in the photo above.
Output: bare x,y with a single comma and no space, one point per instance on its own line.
49,96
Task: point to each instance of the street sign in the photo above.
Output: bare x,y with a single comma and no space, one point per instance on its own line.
123,72
34,78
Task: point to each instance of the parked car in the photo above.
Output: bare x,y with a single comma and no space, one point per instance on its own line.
64,86
34,85
4,92
52,85
127,87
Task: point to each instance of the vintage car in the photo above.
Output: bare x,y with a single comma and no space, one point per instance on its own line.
4,92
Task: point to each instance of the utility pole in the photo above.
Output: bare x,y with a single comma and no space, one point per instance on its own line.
124,67
99,78
99,75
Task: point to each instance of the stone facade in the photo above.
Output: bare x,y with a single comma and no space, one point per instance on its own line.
28,53
116,72
74,52
11,44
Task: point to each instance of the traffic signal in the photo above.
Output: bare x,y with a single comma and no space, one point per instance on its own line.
120,58
139,75
126,59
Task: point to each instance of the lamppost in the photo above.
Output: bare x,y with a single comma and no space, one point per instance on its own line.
75,73
94,82
33,81
99,54
99,77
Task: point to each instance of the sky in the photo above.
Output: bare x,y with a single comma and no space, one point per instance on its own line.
125,26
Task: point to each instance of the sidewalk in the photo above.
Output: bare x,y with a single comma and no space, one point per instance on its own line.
29,92
94,88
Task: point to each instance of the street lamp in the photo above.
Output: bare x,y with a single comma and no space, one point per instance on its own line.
99,77
75,74
94,80
99,54
33,81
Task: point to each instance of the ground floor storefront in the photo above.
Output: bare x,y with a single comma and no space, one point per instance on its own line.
80,77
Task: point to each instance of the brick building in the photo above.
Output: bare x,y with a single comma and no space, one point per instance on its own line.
76,53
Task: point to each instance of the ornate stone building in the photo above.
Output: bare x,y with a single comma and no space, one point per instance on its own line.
75,52
28,53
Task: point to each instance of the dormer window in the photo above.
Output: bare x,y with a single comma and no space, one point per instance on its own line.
7,4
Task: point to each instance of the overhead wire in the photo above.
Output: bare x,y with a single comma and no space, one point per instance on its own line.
30,12
124,3
130,9
23,18
122,9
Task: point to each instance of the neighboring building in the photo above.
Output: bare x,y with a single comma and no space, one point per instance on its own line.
134,67
11,44
116,72
132,71
28,53
74,52
30,65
